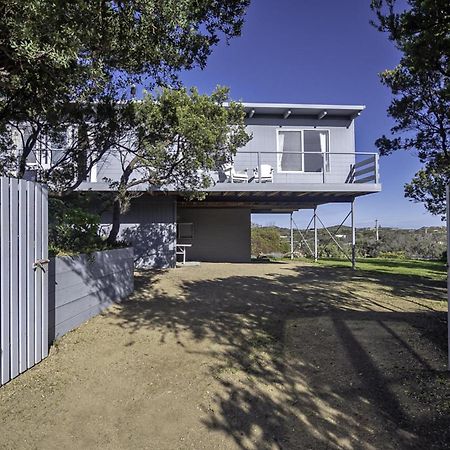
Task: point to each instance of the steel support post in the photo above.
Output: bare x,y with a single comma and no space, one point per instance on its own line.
291,223
316,249
448,272
353,235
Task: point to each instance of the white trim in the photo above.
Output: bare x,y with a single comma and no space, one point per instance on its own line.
93,173
301,130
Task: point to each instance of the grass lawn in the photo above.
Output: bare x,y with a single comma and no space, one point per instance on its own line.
435,270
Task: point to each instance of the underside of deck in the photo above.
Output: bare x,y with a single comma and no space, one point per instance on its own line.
280,197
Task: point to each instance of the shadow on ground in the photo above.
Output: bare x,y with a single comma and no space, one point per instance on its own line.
312,357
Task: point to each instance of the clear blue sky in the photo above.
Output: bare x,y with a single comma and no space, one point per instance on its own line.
321,51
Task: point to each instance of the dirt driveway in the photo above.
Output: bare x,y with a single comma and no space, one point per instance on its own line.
250,356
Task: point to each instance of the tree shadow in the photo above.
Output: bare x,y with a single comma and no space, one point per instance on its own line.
81,286
308,358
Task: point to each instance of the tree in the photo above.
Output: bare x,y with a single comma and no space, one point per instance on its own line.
57,59
420,85
173,142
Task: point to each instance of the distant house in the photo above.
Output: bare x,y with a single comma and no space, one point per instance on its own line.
301,156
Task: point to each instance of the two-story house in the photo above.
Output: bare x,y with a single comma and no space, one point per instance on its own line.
301,156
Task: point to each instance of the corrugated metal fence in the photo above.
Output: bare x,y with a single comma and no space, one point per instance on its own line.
23,276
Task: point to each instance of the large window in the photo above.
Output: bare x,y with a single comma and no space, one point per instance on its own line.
303,150
290,147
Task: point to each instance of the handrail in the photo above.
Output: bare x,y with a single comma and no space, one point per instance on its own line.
353,167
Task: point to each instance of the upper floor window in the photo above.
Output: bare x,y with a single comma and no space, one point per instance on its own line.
303,150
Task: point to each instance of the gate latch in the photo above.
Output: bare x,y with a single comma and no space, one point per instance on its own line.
40,263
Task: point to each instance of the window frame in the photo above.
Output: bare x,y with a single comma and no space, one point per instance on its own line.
302,133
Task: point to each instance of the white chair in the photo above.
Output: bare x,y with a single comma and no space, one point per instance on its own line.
266,175
235,177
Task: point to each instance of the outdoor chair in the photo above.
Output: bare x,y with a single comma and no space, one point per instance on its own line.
232,176
266,175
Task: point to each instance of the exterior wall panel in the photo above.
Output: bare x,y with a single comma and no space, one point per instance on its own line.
150,227
82,286
219,235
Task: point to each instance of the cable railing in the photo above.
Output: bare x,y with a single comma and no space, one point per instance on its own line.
300,167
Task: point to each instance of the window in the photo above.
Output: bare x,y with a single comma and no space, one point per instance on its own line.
315,144
290,146
303,150
185,230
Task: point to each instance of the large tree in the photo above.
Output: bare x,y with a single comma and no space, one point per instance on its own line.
57,59
175,140
420,85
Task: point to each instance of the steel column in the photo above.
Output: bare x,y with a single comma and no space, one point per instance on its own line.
316,250
292,235
353,234
448,271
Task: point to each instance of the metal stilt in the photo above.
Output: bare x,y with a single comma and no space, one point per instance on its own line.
292,236
316,252
353,235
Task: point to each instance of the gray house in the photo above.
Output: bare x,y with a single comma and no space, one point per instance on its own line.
300,157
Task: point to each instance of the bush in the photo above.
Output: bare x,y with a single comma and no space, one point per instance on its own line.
392,255
267,240
73,230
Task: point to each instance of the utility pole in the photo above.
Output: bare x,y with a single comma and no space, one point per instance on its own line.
377,237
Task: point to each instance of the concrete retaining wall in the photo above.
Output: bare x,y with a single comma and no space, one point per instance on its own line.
82,286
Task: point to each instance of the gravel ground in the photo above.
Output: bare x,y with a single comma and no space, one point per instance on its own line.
245,356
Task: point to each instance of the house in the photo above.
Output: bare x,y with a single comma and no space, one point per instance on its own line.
301,156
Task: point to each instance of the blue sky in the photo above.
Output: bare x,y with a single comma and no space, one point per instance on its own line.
320,51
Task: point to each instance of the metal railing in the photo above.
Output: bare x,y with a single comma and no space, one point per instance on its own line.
300,167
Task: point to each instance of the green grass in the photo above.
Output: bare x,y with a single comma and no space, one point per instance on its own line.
435,270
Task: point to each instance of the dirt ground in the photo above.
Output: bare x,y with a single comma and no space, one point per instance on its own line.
245,356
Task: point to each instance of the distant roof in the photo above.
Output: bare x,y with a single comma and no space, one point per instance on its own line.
301,109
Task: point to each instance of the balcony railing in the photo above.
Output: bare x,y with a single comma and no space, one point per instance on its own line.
300,167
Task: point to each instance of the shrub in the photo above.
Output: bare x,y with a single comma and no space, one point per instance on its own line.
73,230
392,255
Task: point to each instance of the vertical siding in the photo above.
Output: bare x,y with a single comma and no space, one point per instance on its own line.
150,227
23,311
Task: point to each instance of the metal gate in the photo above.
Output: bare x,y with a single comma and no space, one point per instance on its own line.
23,276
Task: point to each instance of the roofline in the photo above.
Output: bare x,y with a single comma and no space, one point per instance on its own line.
283,106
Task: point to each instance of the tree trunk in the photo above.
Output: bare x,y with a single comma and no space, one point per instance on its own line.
22,165
120,200
116,213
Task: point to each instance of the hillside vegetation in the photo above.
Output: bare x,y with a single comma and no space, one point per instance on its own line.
423,243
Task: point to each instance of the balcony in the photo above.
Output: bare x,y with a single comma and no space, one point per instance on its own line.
256,168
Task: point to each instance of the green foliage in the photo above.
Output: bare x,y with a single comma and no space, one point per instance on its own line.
329,250
420,85
392,255
73,230
176,138
52,51
424,243
73,63
267,240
